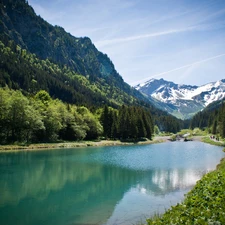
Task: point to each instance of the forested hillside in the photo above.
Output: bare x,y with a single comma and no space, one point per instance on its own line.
22,70
20,24
36,57
212,118
40,118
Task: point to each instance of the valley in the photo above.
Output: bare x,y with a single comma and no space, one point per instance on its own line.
122,153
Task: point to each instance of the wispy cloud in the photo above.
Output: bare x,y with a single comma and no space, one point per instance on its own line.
213,15
179,68
145,37
138,37
203,27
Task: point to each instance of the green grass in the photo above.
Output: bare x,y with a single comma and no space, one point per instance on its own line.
78,144
203,205
213,142
163,134
195,132
192,133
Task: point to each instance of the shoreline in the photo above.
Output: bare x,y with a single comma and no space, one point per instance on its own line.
198,207
82,144
101,143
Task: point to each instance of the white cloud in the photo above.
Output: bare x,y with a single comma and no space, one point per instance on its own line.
138,37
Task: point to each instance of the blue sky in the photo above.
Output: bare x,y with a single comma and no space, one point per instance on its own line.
179,40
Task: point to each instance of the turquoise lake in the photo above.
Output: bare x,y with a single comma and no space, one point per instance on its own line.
102,185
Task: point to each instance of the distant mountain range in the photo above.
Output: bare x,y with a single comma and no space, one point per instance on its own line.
182,101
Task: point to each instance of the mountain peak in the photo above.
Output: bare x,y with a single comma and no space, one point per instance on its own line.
152,82
182,101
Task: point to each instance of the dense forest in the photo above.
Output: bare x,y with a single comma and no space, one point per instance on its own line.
39,118
63,88
20,70
23,70
20,24
211,118
36,56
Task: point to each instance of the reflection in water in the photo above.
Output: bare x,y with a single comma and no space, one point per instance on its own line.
175,179
98,185
157,191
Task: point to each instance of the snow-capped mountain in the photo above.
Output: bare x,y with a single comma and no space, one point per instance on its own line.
182,101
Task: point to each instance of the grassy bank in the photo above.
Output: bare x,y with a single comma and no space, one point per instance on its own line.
213,141
42,146
203,205
59,145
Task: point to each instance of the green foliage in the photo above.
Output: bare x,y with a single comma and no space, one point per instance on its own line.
198,132
221,120
31,75
43,96
195,132
106,120
42,119
214,127
168,124
156,130
22,29
4,112
213,141
19,120
22,70
212,118
173,137
35,56
205,204
127,123
94,127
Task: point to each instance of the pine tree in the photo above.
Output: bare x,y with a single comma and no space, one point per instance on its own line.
214,127
114,129
222,121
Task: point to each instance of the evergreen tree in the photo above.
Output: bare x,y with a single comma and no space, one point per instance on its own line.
222,121
214,127
114,129
107,121
4,115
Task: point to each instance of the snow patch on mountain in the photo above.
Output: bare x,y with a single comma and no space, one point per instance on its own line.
183,97
166,91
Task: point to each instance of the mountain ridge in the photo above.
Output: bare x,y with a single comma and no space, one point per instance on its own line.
38,56
20,24
182,101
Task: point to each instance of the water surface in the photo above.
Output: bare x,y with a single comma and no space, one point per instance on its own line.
104,185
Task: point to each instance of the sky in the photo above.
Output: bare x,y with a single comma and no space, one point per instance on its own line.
178,40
